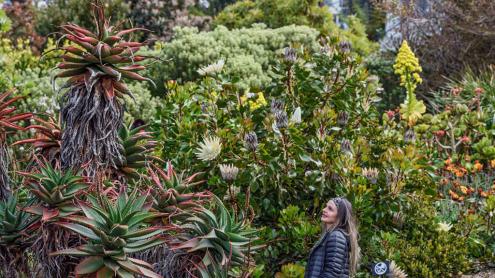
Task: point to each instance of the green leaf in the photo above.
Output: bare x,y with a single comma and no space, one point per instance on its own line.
89,265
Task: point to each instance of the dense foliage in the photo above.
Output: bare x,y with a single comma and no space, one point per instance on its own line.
223,168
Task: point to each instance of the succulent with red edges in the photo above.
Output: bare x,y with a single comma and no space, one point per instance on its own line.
114,229
172,193
47,139
92,113
8,121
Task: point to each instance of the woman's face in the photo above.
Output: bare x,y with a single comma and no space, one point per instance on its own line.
329,214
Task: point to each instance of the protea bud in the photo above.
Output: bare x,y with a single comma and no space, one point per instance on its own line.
229,172
371,174
277,105
410,136
290,55
342,118
281,119
251,141
345,46
345,147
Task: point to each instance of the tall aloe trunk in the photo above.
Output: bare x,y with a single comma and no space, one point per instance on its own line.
91,122
4,167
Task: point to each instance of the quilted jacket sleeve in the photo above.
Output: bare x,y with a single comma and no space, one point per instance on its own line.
336,254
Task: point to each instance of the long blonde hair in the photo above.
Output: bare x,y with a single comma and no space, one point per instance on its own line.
346,222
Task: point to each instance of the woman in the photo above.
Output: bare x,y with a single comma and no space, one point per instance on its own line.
337,253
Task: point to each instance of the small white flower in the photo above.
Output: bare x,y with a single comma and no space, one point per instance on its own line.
209,149
296,116
212,68
229,172
444,227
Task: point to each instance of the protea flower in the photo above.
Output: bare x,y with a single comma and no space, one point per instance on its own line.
229,172
396,271
276,105
371,174
8,120
251,141
345,147
209,149
212,69
345,46
281,119
342,118
410,136
290,55
92,112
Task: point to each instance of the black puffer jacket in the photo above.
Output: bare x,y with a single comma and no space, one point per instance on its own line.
329,258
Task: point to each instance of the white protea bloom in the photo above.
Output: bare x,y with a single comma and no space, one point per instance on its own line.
209,149
444,227
212,68
296,116
396,271
229,172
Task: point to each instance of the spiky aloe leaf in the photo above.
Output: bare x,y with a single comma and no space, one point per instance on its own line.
137,152
47,139
8,121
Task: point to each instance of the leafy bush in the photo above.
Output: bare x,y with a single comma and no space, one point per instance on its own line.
248,53
298,12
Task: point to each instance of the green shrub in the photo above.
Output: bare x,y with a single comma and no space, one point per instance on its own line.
248,53
246,13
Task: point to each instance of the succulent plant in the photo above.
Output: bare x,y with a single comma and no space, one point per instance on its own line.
14,238
96,64
55,191
220,239
114,230
136,152
171,192
47,139
8,120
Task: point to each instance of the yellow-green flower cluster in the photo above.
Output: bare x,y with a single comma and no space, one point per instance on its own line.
254,103
407,67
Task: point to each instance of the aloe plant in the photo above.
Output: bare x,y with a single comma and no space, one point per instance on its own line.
47,140
113,230
54,192
16,228
172,193
8,122
137,152
220,238
96,64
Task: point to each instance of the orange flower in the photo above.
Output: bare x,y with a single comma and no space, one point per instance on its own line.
445,181
464,189
492,163
478,166
459,172
448,161
453,195
461,198
484,194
